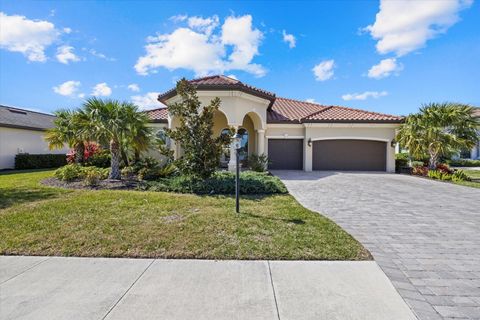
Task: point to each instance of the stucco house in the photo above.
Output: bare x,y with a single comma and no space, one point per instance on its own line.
22,131
296,135
474,153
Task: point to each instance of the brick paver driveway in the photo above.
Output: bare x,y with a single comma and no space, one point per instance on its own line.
424,234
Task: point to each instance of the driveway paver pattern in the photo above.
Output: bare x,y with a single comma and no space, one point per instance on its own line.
424,234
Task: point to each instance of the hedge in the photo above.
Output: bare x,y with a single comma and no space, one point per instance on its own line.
220,183
464,163
39,161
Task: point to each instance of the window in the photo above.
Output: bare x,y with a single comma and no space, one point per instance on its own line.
160,135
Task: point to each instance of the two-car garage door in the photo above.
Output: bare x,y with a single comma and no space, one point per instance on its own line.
339,154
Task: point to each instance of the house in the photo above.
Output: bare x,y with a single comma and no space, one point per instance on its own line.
296,135
474,153
22,131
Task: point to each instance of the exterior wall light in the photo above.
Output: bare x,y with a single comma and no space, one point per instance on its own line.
309,142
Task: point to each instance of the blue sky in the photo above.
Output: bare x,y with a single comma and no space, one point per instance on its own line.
386,56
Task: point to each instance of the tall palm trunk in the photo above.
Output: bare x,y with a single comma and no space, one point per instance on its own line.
433,161
115,162
79,152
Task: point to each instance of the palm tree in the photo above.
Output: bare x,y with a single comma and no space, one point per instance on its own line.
69,129
116,124
439,129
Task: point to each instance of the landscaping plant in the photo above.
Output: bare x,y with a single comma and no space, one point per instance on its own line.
201,150
439,129
117,124
258,163
69,129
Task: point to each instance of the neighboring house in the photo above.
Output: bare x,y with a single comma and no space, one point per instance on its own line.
294,134
22,131
475,152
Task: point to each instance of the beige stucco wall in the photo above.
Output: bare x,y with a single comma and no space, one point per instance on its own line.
152,152
14,141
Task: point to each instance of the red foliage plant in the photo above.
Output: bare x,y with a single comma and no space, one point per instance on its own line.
90,149
420,171
444,168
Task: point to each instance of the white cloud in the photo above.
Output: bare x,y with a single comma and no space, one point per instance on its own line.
65,54
68,88
203,25
405,26
102,89
365,95
232,76
81,95
147,101
67,30
100,55
324,70
133,87
178,18
310,100
29,37
385,68
289,38
199,48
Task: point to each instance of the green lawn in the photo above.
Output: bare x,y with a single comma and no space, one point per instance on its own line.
40,220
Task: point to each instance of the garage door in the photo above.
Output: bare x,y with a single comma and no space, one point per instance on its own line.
360,155
285,154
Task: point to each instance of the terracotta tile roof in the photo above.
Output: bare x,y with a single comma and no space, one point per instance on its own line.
289,110
344,114
281,110
158,115
220,82
476,112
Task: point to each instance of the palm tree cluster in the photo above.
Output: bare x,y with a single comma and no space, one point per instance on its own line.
439,130
118,125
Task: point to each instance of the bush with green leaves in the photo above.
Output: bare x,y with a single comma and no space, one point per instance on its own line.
464,163
219,183
72,172
460,175
401,161
258,163
39,161
99,159
69,172
157,172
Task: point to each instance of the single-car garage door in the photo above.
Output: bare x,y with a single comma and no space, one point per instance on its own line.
285,154
358,155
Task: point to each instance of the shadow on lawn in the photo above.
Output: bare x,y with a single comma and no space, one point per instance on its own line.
293,221
10,196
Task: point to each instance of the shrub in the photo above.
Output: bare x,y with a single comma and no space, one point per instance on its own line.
420,171
157,172
99,159
417,164
92,178
220,183
460,175
257,162
401,161
434,174
145,163
464,163
39,161
69,172
444,168
127,172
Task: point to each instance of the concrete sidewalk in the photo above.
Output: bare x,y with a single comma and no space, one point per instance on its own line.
101,288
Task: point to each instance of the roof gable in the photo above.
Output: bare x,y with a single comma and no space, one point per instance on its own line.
220,83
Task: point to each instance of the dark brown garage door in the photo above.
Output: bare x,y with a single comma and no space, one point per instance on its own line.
285,154
361,155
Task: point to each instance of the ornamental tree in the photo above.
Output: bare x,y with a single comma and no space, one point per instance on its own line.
439,129
201,150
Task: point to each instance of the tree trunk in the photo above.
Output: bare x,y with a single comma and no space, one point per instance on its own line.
433,161
115,162
79,153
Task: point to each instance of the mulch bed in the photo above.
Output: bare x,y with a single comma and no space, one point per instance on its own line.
102,185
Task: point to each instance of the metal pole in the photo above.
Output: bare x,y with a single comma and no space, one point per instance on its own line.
237,184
